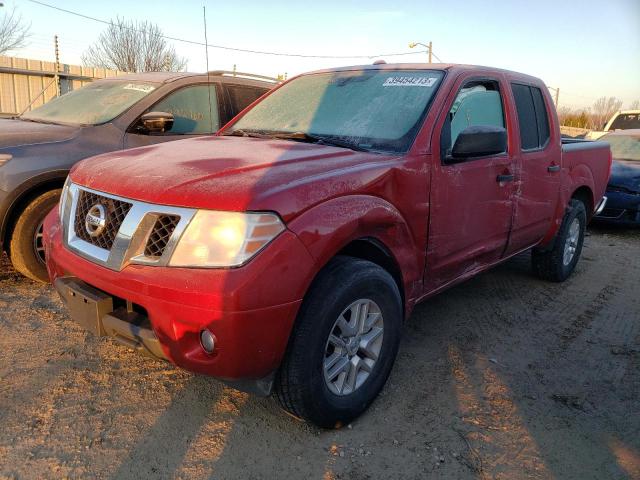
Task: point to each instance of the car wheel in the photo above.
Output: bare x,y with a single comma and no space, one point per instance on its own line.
343,345
26,250
558,263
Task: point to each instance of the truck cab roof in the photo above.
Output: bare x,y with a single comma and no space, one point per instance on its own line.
453,68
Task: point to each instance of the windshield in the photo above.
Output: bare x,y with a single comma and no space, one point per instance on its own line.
96,103
624,147
626,121
369,109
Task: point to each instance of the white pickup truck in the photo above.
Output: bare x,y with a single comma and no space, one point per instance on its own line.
621,120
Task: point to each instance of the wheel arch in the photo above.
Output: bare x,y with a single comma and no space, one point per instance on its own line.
374,251
582,192
585,195
365,227
23,195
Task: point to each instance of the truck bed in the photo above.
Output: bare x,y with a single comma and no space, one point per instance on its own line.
587,159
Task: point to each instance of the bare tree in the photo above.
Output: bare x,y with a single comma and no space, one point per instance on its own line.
133,47
602,110
635,105
13,31
574,118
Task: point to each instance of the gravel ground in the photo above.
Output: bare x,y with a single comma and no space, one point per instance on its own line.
504,376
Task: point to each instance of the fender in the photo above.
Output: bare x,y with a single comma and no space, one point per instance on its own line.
18,194
328,227
572,179
578,177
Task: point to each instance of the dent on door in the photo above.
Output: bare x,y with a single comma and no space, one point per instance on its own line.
471,201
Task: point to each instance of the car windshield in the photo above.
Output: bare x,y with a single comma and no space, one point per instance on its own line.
624,147
367,109
96,103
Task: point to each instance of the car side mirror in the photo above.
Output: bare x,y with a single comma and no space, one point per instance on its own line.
479,141
157,122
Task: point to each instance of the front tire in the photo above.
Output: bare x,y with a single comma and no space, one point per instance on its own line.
343,345
25,246
558,263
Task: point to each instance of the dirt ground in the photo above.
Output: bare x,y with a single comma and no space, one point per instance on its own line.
504,376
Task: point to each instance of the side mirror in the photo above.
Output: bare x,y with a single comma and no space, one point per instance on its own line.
157,122
479,141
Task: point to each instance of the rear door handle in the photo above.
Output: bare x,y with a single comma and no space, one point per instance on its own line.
505,178
553,168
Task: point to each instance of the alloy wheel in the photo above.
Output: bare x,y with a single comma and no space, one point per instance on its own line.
571,244
353,347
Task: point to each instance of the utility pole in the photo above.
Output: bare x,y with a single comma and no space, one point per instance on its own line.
428,47
57,77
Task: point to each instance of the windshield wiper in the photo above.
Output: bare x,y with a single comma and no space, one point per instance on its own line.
245,133
319,139
33,120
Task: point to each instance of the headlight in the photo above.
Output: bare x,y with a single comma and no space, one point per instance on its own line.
63,197
4,158
224,239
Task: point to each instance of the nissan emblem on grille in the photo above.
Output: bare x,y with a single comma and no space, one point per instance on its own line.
96,220
92,210
115,232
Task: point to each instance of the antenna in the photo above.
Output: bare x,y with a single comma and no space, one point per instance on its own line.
206,49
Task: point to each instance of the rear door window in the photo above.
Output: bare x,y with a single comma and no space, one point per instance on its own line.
242,96
526,117
533,119
542,119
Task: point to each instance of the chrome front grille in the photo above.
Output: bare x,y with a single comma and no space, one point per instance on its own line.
115,232
116,211
160,235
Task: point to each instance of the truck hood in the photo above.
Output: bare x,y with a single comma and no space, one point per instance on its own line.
16,133
625,175
229,173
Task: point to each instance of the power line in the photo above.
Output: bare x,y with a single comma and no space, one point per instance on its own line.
224,47
579,96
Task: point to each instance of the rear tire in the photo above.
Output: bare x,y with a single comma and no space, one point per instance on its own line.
558,263
347,290
25,248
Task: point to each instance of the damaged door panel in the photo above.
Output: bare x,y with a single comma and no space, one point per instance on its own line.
538,163
471,195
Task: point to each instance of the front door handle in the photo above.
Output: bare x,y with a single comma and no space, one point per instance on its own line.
553,168
505,178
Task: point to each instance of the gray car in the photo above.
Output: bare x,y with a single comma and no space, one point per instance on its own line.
38,148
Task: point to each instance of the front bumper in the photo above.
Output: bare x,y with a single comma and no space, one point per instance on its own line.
161,310
622,209
97,312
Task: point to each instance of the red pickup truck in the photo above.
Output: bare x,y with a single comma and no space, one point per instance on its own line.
284,253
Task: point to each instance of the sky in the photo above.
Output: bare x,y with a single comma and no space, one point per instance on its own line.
588,49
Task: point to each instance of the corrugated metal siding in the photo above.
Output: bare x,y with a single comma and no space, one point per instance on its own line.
17,91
